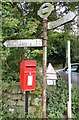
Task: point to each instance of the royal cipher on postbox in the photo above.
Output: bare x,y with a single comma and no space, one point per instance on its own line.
28,75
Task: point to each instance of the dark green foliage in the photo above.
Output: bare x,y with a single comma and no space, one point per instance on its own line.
17,25
57,98
8,115
58,46
16,114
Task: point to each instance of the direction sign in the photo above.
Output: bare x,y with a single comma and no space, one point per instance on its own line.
51,76
61,21
23,43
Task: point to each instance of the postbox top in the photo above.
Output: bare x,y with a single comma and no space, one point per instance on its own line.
29,62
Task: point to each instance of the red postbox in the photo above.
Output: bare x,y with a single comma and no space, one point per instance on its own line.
28,75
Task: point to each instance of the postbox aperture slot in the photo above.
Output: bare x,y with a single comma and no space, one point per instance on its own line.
30,65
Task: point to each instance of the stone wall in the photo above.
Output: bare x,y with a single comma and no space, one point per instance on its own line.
14,97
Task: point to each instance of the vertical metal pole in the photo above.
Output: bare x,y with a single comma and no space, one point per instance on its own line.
26,102
69,80
44,67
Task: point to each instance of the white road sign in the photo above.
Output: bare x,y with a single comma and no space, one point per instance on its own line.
45,10
24,43
51,76
70,16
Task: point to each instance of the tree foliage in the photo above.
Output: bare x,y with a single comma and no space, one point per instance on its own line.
16,25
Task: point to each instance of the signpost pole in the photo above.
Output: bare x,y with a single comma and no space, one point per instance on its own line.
26,102
69,82
44,11
44,67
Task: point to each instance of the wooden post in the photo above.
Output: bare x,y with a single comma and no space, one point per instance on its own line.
44,67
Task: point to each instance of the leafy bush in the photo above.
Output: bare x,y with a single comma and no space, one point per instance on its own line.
57,97
17,113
